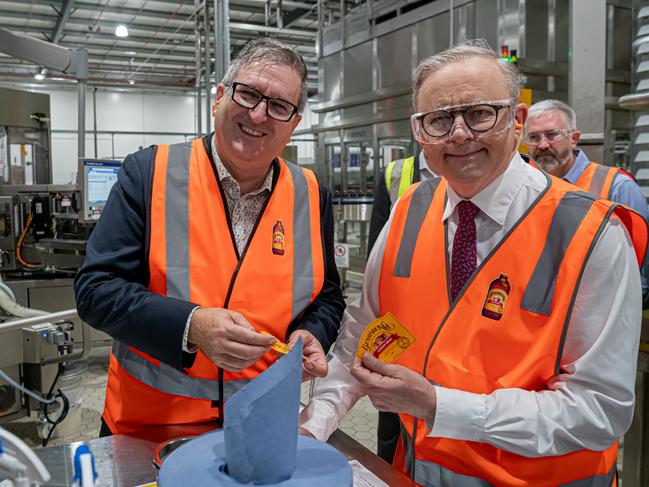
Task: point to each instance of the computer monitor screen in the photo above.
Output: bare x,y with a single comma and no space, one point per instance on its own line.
98,179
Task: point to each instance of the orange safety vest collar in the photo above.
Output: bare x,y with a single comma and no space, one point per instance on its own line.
458,347
192,256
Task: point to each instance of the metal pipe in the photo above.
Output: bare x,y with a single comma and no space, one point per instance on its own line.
221,38
81,147
197,71
34,320
94,115
342,25
319,39
80,64
451,39
306,34
126,132
635,101
280,20
208,67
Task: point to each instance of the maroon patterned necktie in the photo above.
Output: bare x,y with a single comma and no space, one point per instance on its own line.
464,258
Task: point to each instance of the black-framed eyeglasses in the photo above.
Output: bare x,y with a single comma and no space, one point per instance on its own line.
478,117
249,97
551,135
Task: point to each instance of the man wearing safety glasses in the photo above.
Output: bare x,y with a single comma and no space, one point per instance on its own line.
523,297
208,251
551,136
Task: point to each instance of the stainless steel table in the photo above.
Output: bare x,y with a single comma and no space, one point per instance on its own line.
125,461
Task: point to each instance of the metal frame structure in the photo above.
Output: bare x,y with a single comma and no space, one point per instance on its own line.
166,38
70,61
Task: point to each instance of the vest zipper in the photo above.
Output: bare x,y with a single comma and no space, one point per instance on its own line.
240,258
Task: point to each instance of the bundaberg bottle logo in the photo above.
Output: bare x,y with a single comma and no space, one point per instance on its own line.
494,304
278,238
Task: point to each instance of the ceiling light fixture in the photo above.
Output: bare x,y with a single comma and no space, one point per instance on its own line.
40,74
121,31
131,82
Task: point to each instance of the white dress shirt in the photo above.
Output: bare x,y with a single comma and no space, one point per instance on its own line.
588,405
424,169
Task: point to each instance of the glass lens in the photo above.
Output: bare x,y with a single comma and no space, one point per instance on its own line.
437,123
555,134
280,109
552,135
248,97
480,117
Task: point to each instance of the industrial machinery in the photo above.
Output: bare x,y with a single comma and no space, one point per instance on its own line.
19,465
44,228
34,353
43,233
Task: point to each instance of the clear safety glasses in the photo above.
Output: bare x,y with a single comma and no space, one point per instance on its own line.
483,118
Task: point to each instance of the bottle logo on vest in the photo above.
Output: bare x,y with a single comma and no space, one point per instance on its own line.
278,238
494,304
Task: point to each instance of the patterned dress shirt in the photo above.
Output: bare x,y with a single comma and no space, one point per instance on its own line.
244,210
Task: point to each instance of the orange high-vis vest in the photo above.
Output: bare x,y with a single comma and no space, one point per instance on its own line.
598,179
543,257
192,257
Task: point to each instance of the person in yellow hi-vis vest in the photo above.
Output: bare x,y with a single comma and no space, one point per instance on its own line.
522,294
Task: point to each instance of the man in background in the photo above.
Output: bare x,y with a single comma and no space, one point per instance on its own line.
552,137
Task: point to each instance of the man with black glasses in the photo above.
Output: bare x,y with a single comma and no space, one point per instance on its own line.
206,246
522,294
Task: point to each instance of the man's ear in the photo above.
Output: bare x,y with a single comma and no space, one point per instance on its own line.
220,93
520,117
574,138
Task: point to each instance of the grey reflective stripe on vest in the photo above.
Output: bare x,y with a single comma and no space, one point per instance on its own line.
302,253
165,378
177,220
566,219
407,447
597,183
603,480
395,180
430,474
169,380
419,204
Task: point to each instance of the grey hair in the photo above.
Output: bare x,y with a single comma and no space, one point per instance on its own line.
266,49
466,50
569,115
